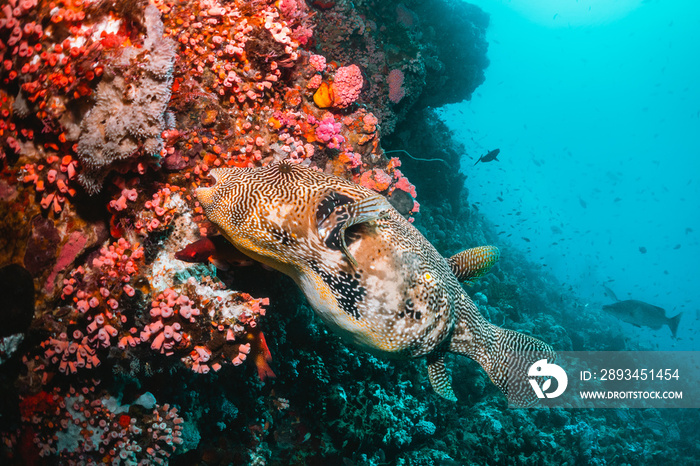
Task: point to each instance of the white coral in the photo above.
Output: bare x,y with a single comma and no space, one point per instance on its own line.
128,116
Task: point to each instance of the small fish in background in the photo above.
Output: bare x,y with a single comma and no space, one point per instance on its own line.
642,249
609,293
490,156
641,314
582,202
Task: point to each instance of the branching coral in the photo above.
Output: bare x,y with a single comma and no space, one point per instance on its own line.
226,332
370,414
94,313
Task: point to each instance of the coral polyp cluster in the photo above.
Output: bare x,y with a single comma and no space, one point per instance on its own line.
52,180
252,95
111,113
93,317
208,326
87,426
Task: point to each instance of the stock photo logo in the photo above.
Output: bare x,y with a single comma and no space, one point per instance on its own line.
544,372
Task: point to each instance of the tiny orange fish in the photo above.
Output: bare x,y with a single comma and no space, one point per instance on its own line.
216,250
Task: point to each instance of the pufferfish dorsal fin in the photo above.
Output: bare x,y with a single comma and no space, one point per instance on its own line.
336,212
439,378
474,263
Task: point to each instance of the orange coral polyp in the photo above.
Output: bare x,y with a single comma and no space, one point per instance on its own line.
323,98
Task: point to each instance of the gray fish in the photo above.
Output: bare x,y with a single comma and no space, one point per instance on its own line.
491,155
643,314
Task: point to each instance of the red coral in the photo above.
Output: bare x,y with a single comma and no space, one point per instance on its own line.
53,179
95,293
104,436
376,179
41,404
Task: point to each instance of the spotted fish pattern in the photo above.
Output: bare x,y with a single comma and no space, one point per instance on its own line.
367,272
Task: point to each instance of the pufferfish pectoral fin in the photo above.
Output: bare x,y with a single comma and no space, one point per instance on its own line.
474,263
337,212
439,378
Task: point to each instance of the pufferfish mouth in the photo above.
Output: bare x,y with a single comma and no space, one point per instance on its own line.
206,189
210,180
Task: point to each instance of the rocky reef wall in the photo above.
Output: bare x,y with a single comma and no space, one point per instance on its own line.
131,335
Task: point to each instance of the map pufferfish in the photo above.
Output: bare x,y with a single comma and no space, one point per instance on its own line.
368,273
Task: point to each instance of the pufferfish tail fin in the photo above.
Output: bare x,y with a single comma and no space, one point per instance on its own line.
505,355
473,263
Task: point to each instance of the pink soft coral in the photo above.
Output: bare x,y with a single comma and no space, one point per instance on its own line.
328,132
347,84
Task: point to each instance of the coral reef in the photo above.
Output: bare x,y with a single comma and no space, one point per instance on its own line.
88,426
414,54
131,334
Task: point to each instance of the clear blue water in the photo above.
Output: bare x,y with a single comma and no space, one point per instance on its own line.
595,106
